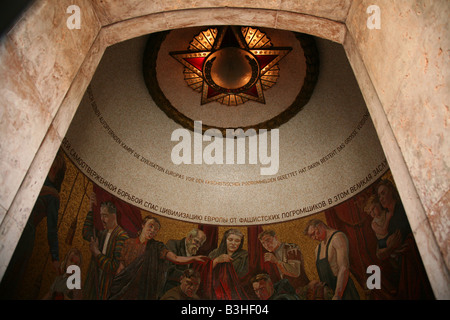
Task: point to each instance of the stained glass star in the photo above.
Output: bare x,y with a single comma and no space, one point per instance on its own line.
231,65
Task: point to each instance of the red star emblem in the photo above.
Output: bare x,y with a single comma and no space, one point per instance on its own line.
231,65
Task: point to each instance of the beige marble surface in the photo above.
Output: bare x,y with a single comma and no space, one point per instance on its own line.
40,58
111,11
412,81
17,215
316,26
334,10
24,121
428,247
49,51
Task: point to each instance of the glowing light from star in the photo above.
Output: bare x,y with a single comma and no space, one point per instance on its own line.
231,65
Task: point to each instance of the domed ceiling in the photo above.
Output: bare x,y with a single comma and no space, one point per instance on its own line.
226,125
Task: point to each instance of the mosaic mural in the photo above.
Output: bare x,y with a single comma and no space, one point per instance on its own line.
123,252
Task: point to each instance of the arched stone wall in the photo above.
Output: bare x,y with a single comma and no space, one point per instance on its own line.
45,69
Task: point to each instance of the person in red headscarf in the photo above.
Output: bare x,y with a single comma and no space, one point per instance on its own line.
222,274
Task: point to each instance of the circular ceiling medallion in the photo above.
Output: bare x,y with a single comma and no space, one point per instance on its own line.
230,66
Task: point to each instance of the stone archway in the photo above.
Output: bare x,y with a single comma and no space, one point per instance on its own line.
46,69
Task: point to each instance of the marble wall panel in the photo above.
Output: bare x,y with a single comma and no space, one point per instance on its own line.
23,122
431,255
330,9
173,5
17,215
136,27
133,28
319,27
439,218
223,16
407,60
112,11
405,26
40,57
423,228
423,134
50,51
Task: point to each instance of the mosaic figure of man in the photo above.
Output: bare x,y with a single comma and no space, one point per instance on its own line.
286,256
186,247
105,246
332,260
